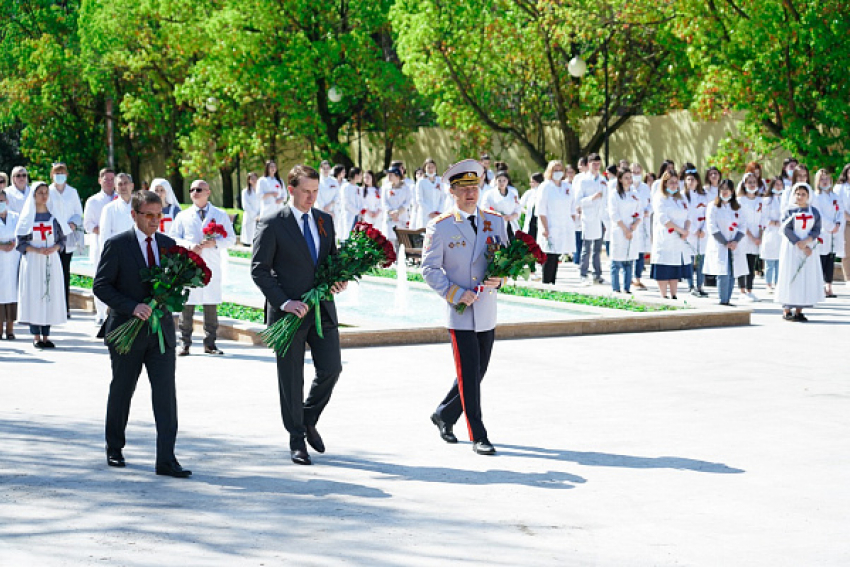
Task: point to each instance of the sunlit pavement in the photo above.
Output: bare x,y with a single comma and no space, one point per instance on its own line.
705,447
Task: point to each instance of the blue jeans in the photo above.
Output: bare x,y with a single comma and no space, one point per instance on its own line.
699,260
577,255
725,284
626,267
771,271
43,330
639,263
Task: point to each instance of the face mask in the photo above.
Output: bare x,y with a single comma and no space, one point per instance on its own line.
60,178
2,207
637,178
776,191
789,171
751,191
824,187
726,199
557,175
431,175
672,191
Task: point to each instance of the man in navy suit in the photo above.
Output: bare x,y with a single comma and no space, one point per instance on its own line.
289,246
119,285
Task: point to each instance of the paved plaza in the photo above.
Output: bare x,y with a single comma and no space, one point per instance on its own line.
715,447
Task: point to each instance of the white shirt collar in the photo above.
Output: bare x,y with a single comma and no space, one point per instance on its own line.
300,212
467,215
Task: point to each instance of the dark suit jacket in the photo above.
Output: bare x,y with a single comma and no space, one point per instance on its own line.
281,265
118,284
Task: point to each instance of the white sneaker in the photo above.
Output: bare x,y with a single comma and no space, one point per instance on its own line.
752,297
587,281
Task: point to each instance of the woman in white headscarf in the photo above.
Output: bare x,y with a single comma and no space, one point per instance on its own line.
170,204
41,236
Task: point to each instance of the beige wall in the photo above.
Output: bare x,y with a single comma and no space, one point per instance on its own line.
647,140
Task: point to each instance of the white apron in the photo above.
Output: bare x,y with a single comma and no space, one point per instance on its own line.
41,294
627,209
557,205
9,261
806,289
727,222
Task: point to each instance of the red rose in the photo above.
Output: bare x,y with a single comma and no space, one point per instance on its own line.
820,240
362,211
671,230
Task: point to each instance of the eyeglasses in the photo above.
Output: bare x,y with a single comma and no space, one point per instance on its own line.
150,216
20,175
2,182
197,190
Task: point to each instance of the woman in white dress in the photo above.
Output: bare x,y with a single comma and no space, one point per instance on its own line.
504,199
429,197
170,204
66,202
528,204
351,202
626,213
556,214
800,277
396,198
271,189
370,200
329,198
829,205
698,206
724,258
40,236
10,259
671,254
752,209
843,189
772,237
251,210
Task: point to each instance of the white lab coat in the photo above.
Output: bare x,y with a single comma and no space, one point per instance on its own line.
557,205
69,208
698,206
270,189
593,212
627,209
669,248
507,204
528,204
351,207
392,199
771,240
729,224
251,205
752,213
644,231
187,231
430,198
372,203
91,221
831,210
16,199
115,219
9,261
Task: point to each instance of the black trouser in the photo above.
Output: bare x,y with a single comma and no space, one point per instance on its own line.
746,282
472,356
66,272
294,409
550,268
187,324
532,227
827,263
126,369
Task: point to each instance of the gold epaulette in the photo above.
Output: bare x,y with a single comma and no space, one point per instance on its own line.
443,217
492,212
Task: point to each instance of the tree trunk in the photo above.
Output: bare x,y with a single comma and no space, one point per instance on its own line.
176,180
226,186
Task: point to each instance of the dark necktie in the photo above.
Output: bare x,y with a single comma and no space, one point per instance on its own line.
151,257
472,222
203,214
308,236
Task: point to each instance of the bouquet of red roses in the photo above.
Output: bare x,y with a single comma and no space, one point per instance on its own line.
365,249
179,269
214,230
516,260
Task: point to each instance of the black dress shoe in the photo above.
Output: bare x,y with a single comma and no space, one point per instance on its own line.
173,469
446,433
314,439
212,350
483,447
37,344
183,351
48,344
114,458
300,456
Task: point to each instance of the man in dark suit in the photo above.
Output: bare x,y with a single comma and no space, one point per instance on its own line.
288,247
118,284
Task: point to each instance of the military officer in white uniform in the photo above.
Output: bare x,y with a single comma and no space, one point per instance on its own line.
454,264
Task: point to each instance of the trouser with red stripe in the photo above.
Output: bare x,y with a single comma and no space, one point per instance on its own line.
472,356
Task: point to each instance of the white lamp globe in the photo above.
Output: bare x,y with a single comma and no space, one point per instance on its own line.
212,104
577,67
334,95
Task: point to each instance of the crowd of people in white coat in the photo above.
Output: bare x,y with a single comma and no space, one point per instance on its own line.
700,228
43,225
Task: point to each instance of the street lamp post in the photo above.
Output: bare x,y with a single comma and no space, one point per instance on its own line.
577,68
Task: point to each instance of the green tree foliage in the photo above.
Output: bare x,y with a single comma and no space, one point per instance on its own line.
784,63
501,66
